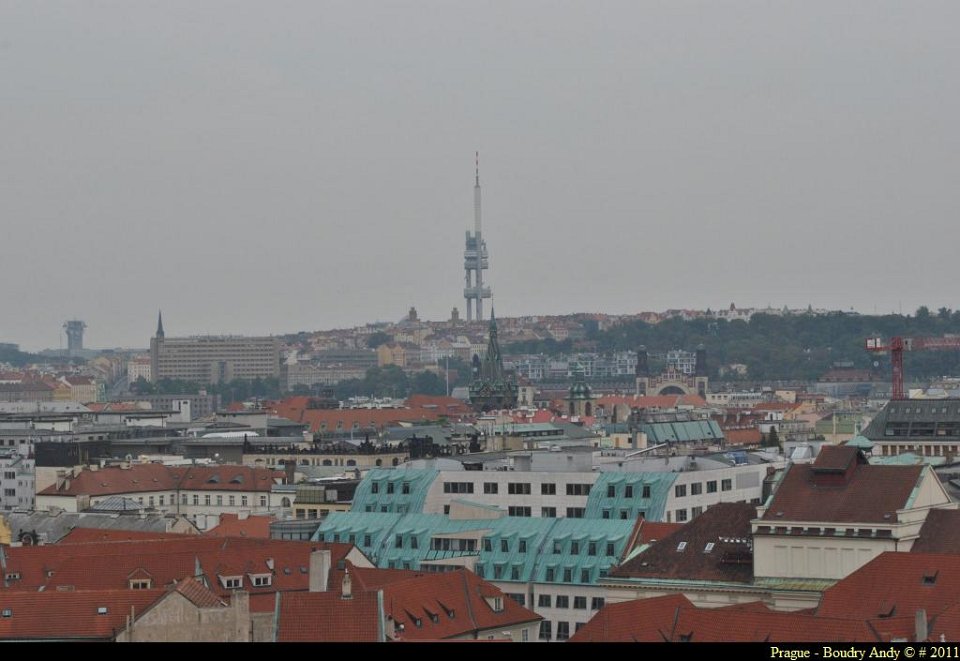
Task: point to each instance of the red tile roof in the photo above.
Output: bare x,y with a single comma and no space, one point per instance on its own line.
71,615
327,617
683,555
197,594
742,436
89,535
822,491
674,618
232,526
429,606
897,584
940,533
140,478
110,565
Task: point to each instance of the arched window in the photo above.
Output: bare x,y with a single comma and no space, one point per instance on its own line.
285,502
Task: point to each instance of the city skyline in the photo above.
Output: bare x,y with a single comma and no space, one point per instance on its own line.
311,168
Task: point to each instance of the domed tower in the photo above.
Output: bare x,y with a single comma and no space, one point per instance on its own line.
580,399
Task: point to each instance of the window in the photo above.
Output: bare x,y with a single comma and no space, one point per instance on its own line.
524,635
611,491
220,500
610,549
681,515
151,501
646,491
516,510
232,500
375,487
578,489
580,602
575,512
519,598
543,601
140,584
487,545
549,575
405,488
398,541
563,601
548,489
545,632
563,630
504,546
263,501
596,603
522,546
628,491
196,499
557,548
515,576
726,485
183,499
414,544
261,581
458,487
568,575
518,488
490,487
712,486
232,583
548,512
243,501
206,499
592,548
696,488
390,488
680,490
696,511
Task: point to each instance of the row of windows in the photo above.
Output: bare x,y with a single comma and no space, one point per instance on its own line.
550,575
405,487
453,487
592,548
696,488
628,491
563,630
563,601
207,500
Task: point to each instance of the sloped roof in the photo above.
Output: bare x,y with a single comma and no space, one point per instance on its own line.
232,526
70,615
940,533
140,478
685,554
867,493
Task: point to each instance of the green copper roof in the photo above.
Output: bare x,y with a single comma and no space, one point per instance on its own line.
391,490
860,442
673,432
511,549
626,496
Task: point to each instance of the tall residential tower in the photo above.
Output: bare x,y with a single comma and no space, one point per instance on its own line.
475,259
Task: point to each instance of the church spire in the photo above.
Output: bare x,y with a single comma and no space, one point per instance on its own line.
160,324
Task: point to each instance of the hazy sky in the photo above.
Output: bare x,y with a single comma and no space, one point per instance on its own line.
268,167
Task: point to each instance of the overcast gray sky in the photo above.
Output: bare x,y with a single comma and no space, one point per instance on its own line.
268,167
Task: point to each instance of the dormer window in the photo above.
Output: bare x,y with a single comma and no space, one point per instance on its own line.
261,580
231,582
140,584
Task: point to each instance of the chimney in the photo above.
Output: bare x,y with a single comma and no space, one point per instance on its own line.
319,570
346,588
61,479
920,626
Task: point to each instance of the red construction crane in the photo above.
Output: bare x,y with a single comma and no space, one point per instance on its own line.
898,345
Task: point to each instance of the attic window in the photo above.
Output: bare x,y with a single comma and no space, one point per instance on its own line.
930,577
7,612
237,479
215,479
681,546
708,547
286,571
13,576
102,610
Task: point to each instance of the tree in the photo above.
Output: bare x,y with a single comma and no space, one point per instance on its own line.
923,313
772,440
378,338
